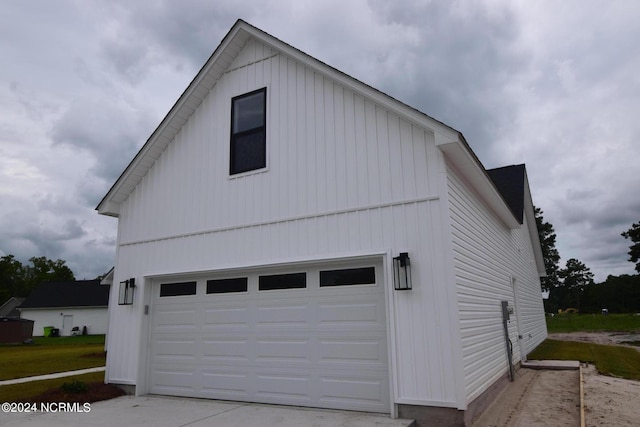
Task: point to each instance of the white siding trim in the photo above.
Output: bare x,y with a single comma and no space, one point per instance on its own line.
231,70
284,262
450,283
392,346
288,219
420,402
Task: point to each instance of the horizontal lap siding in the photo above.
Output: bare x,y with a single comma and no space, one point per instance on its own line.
533,323
483,260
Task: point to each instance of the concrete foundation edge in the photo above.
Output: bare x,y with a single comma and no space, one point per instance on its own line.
129,389
439,416
429,415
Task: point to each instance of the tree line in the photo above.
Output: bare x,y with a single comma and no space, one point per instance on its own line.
573,286
18,280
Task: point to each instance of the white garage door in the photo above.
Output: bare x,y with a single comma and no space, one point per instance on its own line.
307,336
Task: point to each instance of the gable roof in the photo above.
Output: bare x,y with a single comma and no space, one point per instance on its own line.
81,293
450,141
8,309
513,184
108,278
510,182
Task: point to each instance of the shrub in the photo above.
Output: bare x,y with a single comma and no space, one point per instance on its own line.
74,387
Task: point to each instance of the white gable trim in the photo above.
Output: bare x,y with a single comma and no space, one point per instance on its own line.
186,105
460,155
529,212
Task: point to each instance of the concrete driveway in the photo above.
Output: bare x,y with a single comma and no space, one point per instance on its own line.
173,412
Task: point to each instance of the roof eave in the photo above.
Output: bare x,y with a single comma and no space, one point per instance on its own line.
529,212
60,307
167,128
460,154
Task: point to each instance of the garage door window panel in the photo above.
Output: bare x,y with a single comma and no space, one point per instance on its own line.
177,289
226,286
282,281
348,277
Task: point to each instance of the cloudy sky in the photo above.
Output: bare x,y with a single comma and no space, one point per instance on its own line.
555,85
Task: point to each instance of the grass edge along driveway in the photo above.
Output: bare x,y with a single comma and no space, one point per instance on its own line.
615,361
51,355
24,392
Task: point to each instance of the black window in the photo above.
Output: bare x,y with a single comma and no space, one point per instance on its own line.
224,286
248,132
177,289
282,281
349,276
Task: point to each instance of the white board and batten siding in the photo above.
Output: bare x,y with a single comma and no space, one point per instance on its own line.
345,177
486,271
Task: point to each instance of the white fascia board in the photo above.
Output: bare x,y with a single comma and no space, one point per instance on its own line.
101,307
108,278
353,84
460,155
168,128
533,228
109,208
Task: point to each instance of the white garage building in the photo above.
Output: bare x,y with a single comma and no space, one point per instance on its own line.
257,231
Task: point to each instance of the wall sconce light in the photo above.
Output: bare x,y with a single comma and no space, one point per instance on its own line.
402,272
125,297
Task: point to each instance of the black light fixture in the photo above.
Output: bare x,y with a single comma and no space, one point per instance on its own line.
402,272
125,297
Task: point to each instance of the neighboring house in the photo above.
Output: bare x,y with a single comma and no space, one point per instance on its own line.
257,231
10,308
65,305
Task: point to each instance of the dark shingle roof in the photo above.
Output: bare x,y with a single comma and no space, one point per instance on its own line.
510,182
81,293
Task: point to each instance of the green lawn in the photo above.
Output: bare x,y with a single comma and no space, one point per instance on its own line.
594,322
616,361
77,340
49,355
26,391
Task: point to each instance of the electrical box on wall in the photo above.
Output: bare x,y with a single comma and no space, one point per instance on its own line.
507,310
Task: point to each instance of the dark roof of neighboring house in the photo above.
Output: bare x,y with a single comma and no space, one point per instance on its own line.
510,182
81,293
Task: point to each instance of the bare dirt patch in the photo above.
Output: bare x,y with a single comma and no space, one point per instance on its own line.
610,401
552,398
536,398
606,338
94,392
